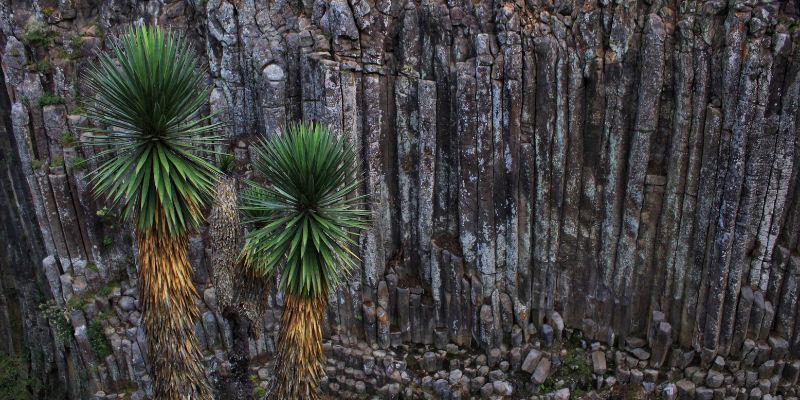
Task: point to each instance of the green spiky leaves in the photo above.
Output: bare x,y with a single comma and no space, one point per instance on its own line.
308,215
148,93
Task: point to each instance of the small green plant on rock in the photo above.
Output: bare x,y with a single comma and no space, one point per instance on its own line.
50,99
58,162
107,217
67,140
79,301
108,243
75,43
78,164
548,385
37,35
36,164
55,316
41,67
92,266
97,339
106,290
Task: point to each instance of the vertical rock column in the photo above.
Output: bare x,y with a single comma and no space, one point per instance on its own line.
375,251
644,127
20,122
725,274
352,118
671,218
759,158
407,142
487,237
784,122
427,177
696,282
49,203
511,131
468,171
686,276
619,75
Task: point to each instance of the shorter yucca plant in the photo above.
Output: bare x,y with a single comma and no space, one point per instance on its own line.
306,217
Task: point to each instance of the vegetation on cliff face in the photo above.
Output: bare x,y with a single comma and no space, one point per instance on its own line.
13,382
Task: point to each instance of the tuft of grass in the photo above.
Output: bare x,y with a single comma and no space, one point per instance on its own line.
16,53
75,42
97,339
78,302
36,164
78,164
37,35
105,291
549,385
92,266
78,111
67,140
50,99
58,162
106,315
41,67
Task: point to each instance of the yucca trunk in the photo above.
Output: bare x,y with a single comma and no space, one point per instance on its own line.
298,366
224,231
235,283
169,314
242,315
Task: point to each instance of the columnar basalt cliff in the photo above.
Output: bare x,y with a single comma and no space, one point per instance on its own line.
541,173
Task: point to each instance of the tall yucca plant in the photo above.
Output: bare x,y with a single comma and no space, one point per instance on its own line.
306,216
148,93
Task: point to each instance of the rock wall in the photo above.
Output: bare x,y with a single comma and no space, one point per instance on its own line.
625,169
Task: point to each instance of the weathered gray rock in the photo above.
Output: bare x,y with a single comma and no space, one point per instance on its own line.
542,371
641,354
531,361
212,331
686,389
714,379
599,362
661,345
